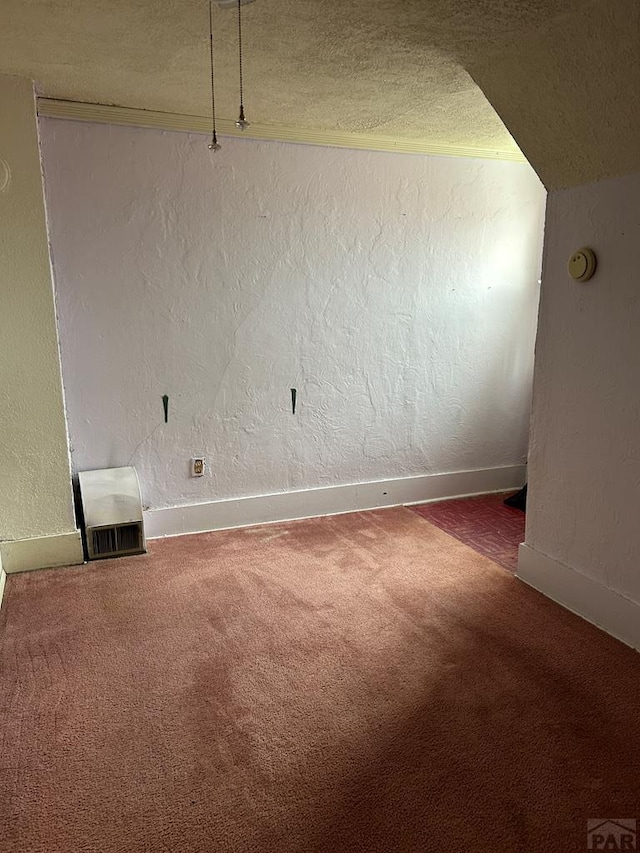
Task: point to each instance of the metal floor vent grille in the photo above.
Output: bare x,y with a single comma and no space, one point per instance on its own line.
116,541
112,510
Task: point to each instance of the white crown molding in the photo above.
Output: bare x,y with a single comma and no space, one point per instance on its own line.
104,114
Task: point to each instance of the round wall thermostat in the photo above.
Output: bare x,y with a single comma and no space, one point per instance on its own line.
582,264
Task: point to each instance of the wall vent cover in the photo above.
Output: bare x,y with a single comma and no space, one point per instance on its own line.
112,512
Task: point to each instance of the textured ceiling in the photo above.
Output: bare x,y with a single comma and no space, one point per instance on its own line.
394,68
570,93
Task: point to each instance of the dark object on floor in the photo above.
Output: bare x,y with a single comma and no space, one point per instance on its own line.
519,500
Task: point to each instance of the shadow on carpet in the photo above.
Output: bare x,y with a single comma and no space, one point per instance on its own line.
361,682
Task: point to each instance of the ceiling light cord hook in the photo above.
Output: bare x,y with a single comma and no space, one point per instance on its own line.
213,145
242,123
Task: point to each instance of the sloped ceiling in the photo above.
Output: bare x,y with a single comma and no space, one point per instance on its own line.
564,75
392,67
570,93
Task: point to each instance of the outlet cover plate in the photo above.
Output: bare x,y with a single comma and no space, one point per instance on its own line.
198,465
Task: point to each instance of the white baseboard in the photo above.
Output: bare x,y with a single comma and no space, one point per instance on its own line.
332,500
599,605
41,552
3,580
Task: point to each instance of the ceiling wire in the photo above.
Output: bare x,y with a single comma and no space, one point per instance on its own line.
242,123
213,145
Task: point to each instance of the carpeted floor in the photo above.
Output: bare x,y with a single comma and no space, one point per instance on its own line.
483,523
361,682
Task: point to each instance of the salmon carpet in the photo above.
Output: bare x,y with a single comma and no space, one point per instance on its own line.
361,682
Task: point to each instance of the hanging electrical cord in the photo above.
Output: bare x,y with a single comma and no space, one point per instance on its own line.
242,123
213,145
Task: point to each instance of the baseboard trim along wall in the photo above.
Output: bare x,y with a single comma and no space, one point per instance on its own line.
331,500
3,579
42,552
599,605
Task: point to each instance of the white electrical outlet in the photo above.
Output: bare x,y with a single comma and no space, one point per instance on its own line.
198,464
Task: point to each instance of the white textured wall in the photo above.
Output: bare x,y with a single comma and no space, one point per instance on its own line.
397,293
35,478
585,454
